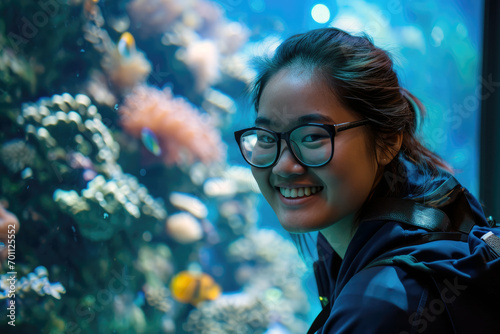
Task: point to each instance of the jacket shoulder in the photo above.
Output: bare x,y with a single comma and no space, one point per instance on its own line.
384,299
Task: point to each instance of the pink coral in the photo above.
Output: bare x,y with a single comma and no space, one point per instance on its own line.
9,224
184,134
154,16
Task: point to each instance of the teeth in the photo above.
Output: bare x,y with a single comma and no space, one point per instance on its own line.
299,192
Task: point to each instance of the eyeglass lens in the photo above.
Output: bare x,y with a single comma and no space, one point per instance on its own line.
310,144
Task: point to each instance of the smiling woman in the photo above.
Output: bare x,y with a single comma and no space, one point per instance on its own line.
368,190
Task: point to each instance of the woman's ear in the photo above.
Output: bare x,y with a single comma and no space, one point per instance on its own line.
389,148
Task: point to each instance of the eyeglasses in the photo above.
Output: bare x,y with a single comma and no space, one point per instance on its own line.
311,144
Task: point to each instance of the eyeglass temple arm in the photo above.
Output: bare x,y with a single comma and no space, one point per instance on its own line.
350,125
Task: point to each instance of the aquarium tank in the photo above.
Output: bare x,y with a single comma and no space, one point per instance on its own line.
125,205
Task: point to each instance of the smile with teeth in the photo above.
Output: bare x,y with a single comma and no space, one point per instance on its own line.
299,192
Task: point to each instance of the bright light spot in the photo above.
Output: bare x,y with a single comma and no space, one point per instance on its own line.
320,13
437,35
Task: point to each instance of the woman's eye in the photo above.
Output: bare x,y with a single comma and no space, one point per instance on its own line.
312,138
266,139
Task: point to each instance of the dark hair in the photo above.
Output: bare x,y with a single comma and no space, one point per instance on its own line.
362,77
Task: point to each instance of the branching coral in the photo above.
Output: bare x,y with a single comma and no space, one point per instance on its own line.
64,124
185,135
108,206
72,136
36,281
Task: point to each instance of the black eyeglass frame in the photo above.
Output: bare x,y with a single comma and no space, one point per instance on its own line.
332,130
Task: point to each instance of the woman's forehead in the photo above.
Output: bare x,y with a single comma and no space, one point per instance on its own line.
273,121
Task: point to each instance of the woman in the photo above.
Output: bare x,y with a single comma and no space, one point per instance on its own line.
334,149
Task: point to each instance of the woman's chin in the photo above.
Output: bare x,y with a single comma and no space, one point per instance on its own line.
298,227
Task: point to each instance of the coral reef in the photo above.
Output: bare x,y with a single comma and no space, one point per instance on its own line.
107,206
16,74
36,281
185,135
71,135
16,154
125,68
184,228
202,58
206,42
64,124
164,74
154,260
154,16
273,272
123,64
97,87
189,203
159,297
230,314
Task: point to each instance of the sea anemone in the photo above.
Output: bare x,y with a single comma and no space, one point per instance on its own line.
185,135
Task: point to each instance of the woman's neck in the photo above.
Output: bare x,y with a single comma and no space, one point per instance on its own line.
340,234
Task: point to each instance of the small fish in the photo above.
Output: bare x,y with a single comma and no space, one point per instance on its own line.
126,45
150,141
193,288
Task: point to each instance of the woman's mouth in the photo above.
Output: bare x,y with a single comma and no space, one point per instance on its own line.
298,192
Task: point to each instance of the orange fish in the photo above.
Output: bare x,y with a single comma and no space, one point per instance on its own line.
193,288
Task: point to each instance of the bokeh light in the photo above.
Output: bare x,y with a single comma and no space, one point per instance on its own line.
320,13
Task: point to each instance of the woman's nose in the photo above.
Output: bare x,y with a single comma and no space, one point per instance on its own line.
287,165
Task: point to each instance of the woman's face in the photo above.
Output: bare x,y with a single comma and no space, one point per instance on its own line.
336,190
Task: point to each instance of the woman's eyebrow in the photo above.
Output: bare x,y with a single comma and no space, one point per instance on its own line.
309,118
262,121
